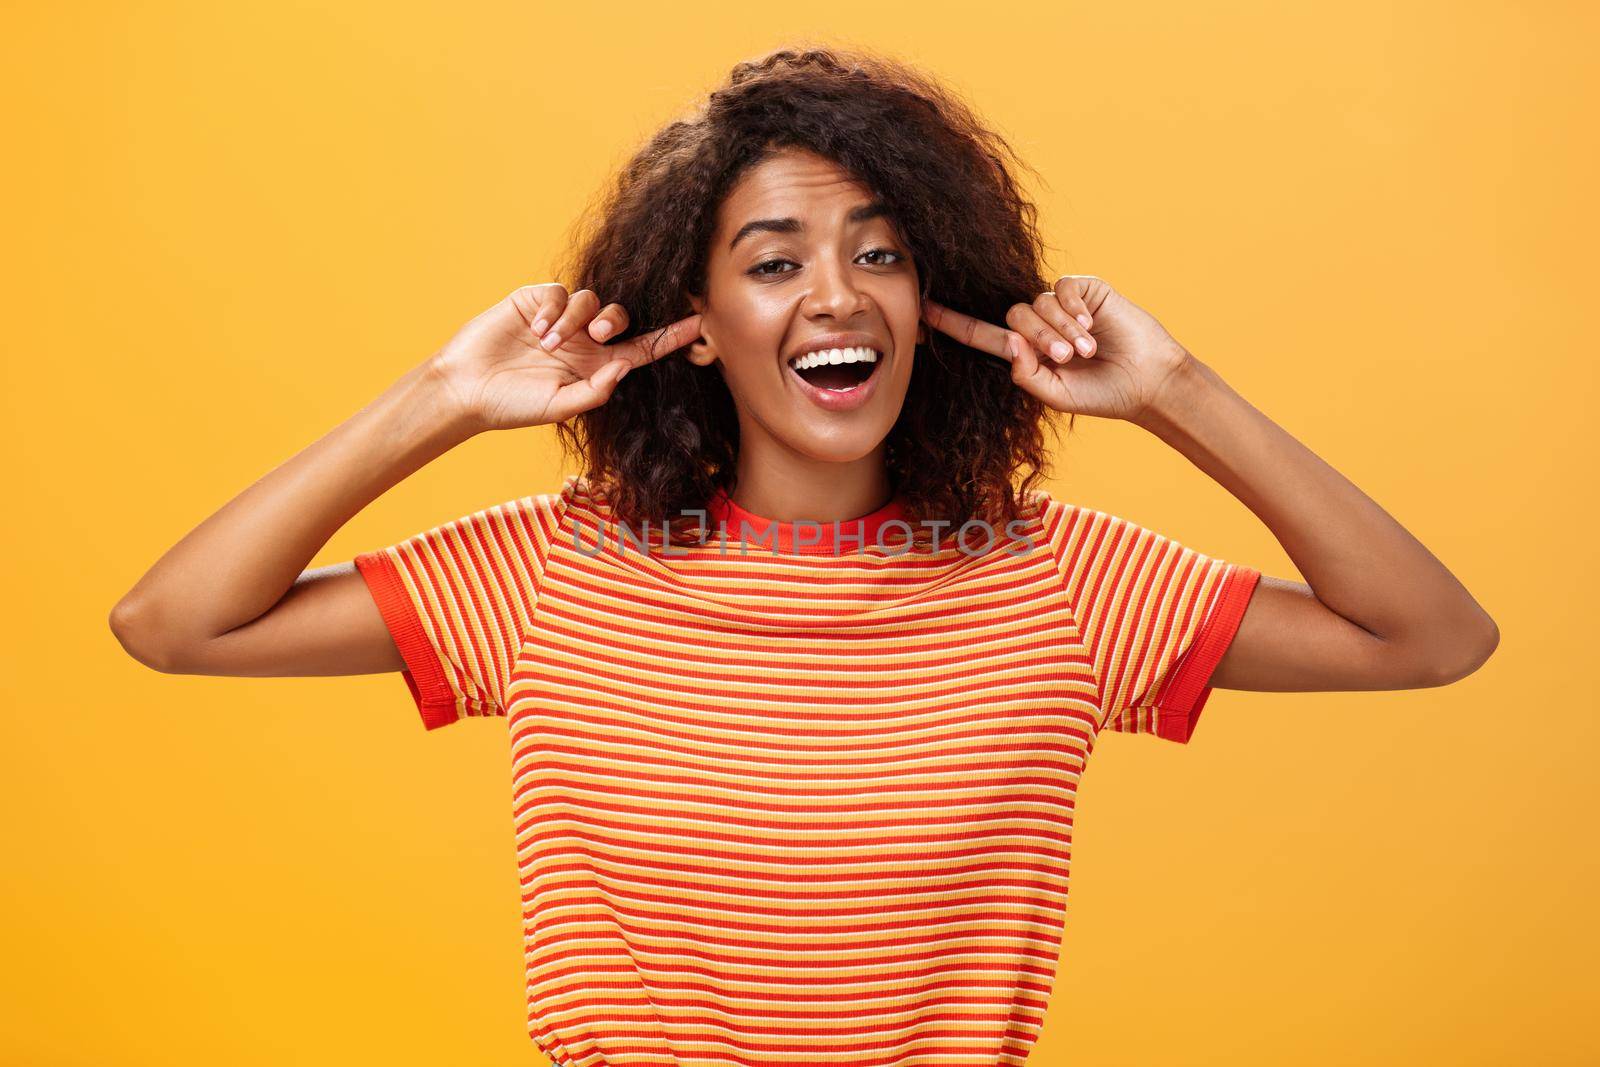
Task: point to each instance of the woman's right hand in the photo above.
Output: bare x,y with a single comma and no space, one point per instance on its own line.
539,356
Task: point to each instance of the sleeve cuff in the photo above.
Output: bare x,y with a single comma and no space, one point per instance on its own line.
1184,695
425,673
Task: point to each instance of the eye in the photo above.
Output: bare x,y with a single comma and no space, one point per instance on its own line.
760,270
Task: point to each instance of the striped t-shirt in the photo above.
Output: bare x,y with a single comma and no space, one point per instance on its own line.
786,802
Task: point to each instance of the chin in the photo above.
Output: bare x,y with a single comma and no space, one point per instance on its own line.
838,431
843,448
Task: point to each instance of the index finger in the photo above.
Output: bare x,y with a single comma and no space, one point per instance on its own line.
649,347
974,333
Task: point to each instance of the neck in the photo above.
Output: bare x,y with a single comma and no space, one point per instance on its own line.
794,488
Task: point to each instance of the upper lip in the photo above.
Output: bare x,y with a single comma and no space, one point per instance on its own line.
825,341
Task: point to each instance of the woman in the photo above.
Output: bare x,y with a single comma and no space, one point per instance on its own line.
800,675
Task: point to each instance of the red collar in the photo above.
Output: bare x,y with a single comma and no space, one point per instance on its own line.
737,522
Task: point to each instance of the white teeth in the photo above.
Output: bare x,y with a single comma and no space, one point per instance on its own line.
834,355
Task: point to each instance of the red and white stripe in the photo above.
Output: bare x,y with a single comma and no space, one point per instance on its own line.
798,807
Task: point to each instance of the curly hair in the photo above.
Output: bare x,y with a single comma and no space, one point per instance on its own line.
669,436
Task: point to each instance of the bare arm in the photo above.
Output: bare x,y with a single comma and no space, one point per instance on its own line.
233,597
1380,610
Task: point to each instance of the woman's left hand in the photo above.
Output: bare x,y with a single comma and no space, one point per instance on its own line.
1130,355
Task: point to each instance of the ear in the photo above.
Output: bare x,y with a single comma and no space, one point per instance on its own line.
702,352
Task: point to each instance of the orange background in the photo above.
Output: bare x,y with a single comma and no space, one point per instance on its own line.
231,226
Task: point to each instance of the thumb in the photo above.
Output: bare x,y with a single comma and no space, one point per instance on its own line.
607,377
589,393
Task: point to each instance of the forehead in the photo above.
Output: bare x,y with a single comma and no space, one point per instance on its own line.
791,183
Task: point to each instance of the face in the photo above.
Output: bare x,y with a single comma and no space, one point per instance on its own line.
802,257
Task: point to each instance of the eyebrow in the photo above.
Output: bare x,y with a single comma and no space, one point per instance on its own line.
874,210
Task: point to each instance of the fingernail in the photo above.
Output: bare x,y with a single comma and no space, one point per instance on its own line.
1086,321
540,325
550,341
1084,346
1060,351
601,331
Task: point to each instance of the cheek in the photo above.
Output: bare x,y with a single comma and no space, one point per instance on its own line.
902,308
749,339
748,319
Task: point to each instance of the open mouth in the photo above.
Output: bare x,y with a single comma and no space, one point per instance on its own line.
838,369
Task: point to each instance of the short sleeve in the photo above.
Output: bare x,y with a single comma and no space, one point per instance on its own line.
1155,615
457,600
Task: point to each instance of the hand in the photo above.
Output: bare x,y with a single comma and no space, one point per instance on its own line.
539,356
1130,355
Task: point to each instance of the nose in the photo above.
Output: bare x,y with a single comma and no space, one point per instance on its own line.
834,292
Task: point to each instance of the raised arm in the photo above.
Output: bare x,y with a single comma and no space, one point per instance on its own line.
1380,611
233,597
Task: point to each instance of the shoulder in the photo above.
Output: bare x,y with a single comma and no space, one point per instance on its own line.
1052,515
1064,521
576,493
542,515
1076,534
